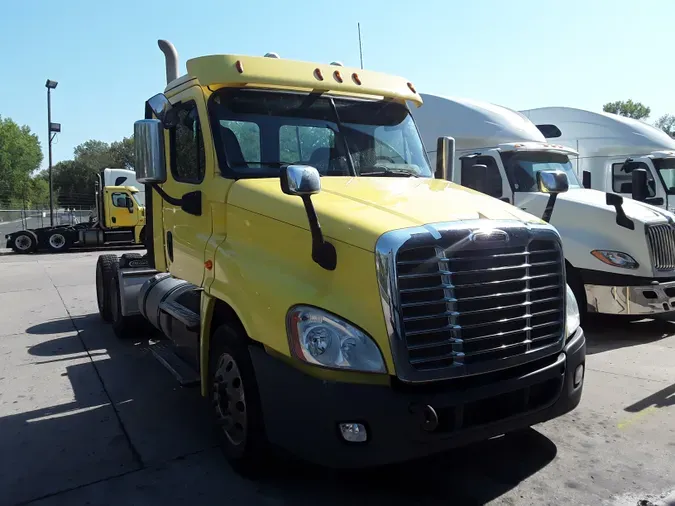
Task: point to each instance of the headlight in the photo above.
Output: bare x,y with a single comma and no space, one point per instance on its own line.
615,258
323,339
572,320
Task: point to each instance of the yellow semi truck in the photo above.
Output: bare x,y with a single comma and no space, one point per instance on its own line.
331,296
118,219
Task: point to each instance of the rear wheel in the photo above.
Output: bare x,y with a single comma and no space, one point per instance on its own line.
236,410
104,272
24,242
59,241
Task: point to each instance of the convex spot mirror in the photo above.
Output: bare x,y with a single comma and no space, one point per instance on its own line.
552,181
163,110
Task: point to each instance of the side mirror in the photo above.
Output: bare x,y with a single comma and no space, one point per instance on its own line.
130,205
304,181
586,179
163,110
640,191
487,180
150,163
552,181
300,180
445,158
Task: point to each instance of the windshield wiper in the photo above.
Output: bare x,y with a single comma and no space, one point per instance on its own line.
389,172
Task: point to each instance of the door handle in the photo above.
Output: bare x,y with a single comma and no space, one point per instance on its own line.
169,245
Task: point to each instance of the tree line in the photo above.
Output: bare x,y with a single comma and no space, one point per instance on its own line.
23,185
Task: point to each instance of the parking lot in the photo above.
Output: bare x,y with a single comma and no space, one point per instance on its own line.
88,419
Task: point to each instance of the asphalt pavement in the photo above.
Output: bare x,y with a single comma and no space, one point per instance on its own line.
86,418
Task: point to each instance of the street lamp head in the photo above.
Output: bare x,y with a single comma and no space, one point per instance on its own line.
51,84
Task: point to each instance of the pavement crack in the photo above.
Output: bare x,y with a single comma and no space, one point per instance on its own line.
135,454
632,376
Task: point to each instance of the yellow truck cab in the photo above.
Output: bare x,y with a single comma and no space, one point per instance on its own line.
122,209
331,295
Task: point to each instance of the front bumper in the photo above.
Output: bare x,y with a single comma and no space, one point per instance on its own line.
646,299
302,413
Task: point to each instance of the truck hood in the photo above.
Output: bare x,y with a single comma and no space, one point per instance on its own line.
358,210
597,199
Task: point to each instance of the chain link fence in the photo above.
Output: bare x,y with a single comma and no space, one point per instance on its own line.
13,220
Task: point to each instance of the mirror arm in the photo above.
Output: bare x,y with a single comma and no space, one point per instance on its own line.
171,200
323,253
549,207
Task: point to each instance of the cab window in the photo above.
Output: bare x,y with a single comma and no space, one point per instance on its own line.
121,200
308,145
471,178
622,179
187,146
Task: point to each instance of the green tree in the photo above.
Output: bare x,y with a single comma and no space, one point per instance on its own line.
20,155
667,124
628,108
74,182
122,153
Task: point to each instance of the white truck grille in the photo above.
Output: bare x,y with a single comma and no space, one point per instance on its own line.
661,239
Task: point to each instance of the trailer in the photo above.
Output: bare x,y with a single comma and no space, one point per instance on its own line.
119,219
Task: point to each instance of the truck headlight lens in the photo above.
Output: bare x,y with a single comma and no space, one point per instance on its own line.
323,339
572,320
615,258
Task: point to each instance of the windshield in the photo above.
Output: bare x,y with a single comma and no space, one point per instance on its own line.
666,169
138,197
258,132
522,167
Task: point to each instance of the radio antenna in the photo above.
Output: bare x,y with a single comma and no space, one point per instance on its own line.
360,46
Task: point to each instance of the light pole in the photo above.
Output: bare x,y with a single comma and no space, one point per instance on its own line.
51,128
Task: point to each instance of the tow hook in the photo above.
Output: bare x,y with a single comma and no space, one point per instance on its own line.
428,416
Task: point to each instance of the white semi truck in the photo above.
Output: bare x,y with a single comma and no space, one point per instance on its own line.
620,254
609,148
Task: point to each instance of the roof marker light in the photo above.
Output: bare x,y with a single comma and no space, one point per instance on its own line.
240,66
337,76
318,74
271,55
356,78
412,88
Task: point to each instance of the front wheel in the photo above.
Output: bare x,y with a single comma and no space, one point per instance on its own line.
236,409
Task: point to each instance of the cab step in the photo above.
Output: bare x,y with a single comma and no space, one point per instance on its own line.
181,370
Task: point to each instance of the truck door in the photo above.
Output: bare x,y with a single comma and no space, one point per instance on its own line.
121,210
186,233
489,180
621,179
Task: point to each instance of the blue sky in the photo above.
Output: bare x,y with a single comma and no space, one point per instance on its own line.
517,53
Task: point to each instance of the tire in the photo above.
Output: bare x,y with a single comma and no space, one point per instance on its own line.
124,327
59,241
233,390
104,272
141,237
24,242
124,259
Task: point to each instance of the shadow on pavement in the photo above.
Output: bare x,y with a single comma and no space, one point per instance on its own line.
661,399
84,439
605,333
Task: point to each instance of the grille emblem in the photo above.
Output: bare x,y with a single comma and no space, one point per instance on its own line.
489,235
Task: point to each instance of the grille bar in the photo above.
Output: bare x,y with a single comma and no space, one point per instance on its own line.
469,285
661,239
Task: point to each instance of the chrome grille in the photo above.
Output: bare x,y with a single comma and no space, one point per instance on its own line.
661,239
456,306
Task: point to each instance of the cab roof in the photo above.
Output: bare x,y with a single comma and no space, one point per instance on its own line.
273,72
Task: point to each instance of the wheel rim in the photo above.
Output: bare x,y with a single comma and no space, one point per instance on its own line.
23,243
57,241
229,401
